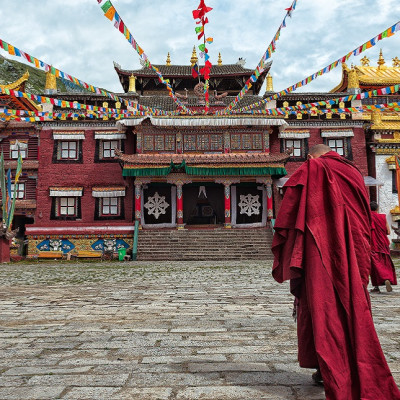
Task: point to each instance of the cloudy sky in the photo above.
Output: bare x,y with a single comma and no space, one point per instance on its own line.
75,37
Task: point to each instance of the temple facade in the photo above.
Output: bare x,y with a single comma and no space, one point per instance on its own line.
93,178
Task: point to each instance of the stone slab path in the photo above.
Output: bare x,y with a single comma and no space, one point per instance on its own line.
147,331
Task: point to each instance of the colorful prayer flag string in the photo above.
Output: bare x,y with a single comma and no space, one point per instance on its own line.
261,65
14,51
111,13
367,45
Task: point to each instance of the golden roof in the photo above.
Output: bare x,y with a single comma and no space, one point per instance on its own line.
368,75
18,83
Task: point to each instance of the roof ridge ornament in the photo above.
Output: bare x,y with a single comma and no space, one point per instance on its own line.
365,61
219,59
381,61
194,58
396,62
168,62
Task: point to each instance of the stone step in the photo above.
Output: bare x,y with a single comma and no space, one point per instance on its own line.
205,244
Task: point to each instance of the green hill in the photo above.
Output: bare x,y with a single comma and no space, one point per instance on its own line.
11,70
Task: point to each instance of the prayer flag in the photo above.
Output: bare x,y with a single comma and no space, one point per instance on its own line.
398,176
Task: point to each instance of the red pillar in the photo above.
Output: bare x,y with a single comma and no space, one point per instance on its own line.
138,201
4,250
227,199
270,204
179,205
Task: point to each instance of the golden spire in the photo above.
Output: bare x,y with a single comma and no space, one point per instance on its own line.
132,84
219,59
270,86
381,61
396,62
376,117
365,61
51,83
353,82
168,62
194,58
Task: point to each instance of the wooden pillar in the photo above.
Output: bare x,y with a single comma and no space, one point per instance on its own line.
138,201
227,199
179,180
179,205
270,204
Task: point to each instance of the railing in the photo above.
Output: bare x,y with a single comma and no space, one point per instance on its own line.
135,240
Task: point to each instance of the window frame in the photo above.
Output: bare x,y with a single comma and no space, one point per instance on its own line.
348,152
99,210
56,208
19,191
303,148
18,148
58,148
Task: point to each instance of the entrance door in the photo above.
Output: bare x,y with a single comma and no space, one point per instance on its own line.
203,204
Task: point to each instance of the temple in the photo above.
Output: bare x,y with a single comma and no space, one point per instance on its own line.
190,176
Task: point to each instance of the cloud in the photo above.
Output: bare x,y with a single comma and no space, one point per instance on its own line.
75,37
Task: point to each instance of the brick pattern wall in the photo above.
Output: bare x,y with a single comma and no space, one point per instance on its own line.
87,175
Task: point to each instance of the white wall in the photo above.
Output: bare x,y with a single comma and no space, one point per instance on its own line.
387,199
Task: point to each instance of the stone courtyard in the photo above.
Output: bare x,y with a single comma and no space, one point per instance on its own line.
193,330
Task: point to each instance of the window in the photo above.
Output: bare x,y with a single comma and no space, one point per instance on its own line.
337,145
109,206
297,146
20,194
18,147
108,147
67,206
69,150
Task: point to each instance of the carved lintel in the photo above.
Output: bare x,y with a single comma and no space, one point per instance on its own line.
227,181
179,179
265,180
140,180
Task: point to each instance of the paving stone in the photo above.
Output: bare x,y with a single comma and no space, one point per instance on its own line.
158,330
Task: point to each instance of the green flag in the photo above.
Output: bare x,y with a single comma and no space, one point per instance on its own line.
3,188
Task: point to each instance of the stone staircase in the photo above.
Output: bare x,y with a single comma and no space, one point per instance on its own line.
205,244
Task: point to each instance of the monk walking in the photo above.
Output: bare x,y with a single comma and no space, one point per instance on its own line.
382,268
322,245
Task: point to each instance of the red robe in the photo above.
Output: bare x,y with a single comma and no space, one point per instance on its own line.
322,244
382,267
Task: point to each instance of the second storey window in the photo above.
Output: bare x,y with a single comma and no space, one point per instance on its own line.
106,144
108,148
337,145
68,146
20,193
109,202
18,147
297,146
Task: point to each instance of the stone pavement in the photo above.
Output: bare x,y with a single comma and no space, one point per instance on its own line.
193,330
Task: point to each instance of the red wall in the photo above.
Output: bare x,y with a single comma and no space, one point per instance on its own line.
86,175
358,145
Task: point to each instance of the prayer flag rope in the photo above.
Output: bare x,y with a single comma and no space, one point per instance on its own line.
66,104
360,49
261,65
14,51
200,15
111,13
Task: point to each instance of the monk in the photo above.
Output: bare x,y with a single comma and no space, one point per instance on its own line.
322,245
382,268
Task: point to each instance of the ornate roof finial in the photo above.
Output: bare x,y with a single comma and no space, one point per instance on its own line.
353,82
396,62
381,60
270,85
194,58
365,61
168,62
219,59
132,84
51,83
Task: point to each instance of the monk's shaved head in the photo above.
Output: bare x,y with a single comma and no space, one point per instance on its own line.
318,150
